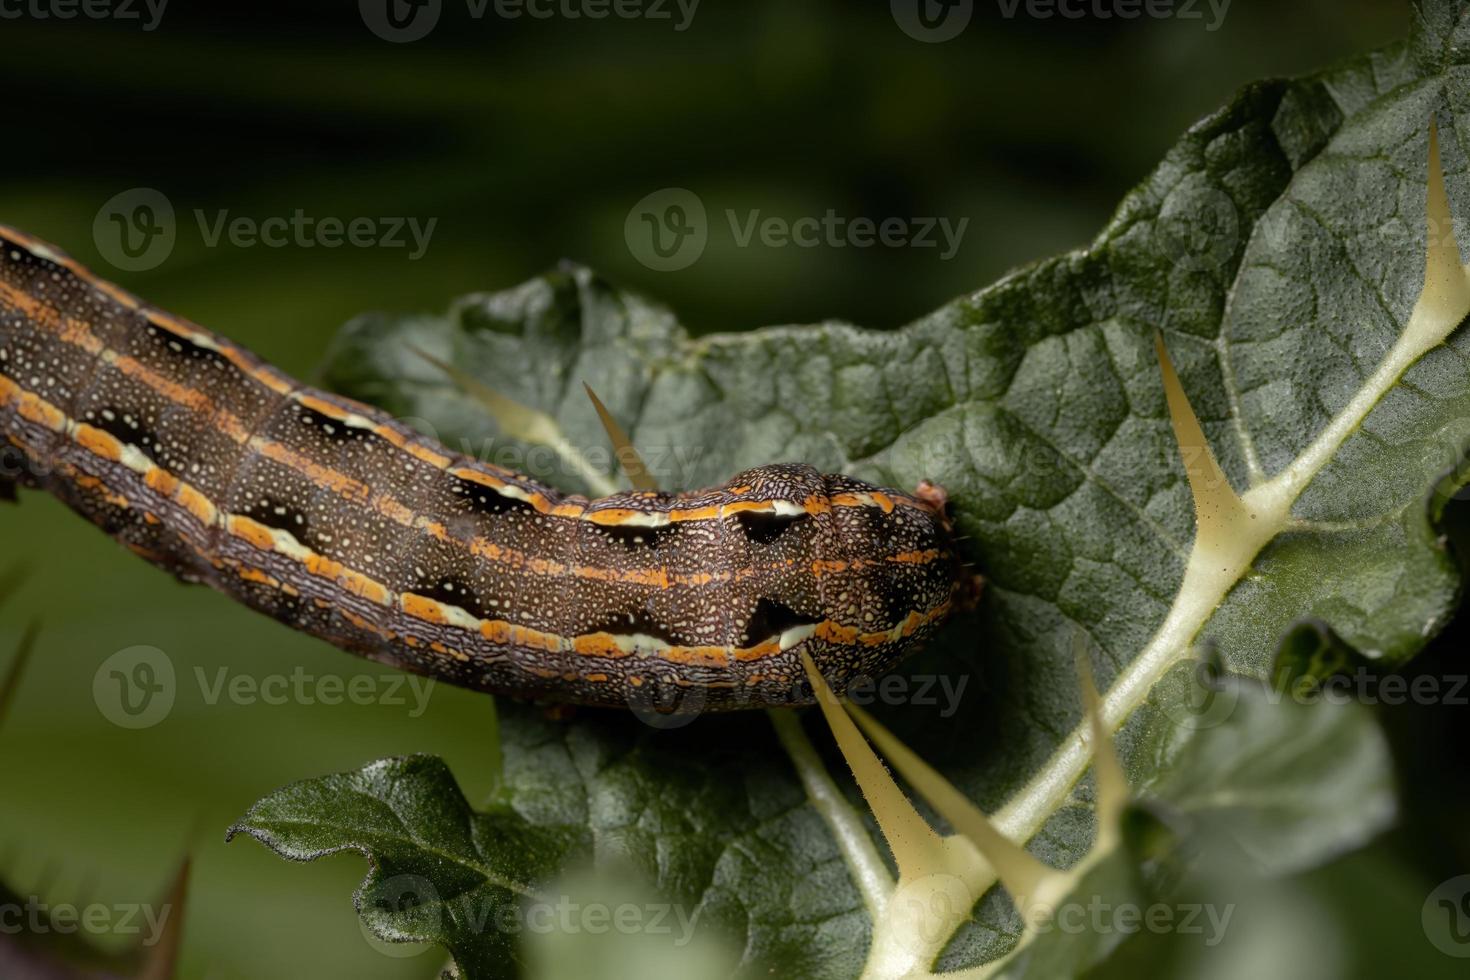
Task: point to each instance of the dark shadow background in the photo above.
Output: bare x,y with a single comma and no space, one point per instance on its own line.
529,141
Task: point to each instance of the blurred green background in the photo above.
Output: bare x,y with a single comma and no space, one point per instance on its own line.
528,141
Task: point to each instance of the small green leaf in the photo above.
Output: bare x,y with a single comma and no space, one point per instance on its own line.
441,872
1291,784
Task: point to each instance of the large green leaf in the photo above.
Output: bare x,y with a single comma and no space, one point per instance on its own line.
1278,247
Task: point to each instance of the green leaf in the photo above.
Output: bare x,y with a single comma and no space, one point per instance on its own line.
1251,781
1290,784
440,871
1278,247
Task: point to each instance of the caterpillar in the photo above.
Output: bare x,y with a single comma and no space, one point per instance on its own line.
338,521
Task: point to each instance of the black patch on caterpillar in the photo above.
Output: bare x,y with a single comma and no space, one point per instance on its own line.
450,590
772,618
898,603
634,537
638,621
333,429
764,527
114,521
114,421
15,466
282,516
283,608
486,500
661,693
186,349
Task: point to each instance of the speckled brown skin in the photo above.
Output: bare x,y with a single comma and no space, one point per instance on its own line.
338,521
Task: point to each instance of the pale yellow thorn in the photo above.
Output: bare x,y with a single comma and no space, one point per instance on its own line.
858,849
1445,284
522,422
1111,783
1216,506
1019,871
915,845
628,457
515,419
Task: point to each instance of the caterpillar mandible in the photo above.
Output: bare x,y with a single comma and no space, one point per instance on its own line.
338,521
